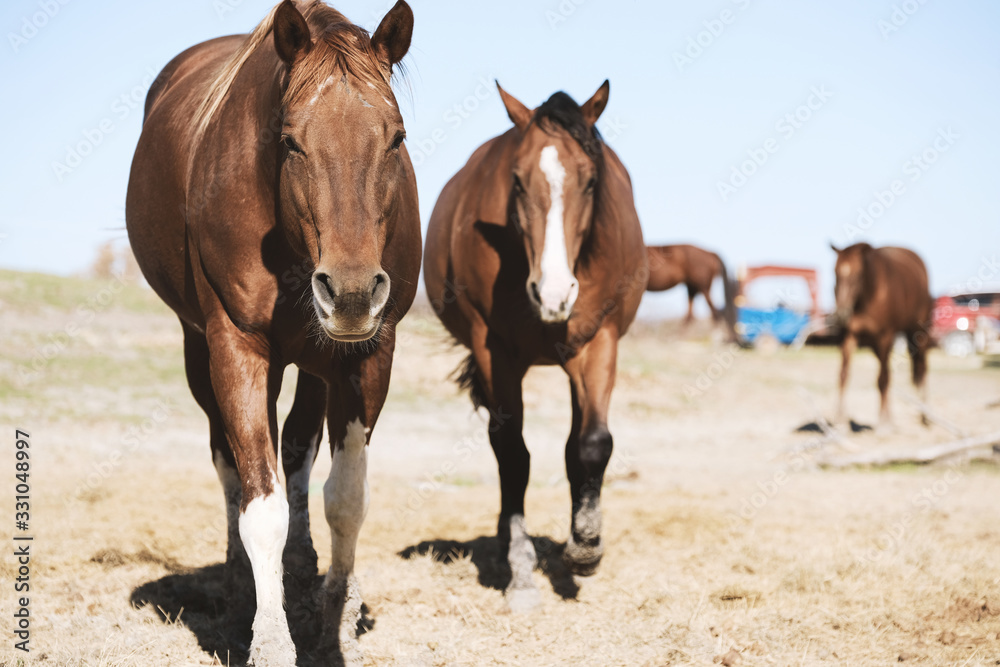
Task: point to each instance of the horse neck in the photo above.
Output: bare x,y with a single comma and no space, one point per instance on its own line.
243,136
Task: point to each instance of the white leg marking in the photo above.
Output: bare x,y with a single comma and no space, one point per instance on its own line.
558,288
263,527
346,496
521,594
233,492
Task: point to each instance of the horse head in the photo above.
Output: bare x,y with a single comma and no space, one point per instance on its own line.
341,161
850,274
554,185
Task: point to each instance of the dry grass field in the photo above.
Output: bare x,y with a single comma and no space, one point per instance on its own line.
725,543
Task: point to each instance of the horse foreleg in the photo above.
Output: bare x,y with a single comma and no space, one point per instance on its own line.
300,439
501,377
692,293
357,392
884,351
237,573
846,350
246,384
919,341
588,450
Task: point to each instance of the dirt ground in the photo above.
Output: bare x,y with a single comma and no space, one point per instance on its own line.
724,541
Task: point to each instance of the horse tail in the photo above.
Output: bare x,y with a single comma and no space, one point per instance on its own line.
729,309
468,377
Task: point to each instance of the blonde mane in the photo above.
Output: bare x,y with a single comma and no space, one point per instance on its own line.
338,44
223,81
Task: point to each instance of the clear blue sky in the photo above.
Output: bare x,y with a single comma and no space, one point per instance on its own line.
681,119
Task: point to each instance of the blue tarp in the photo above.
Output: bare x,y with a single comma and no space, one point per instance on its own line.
782,323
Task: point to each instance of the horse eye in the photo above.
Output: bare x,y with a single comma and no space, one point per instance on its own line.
398,141
518,185
591,184
290,144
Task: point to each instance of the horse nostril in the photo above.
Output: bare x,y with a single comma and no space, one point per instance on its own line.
379,280
535,293
326,286
380,292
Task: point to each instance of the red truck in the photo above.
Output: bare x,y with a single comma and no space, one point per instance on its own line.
964,324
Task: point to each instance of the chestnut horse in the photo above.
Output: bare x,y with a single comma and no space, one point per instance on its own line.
697,269
534,255
273,207
882,292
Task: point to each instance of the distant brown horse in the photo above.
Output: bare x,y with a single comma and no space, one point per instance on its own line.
535,256
882,292
697,269
273,206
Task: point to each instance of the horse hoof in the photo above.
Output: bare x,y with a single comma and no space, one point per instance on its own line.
276,650
521,600
583,561
340,602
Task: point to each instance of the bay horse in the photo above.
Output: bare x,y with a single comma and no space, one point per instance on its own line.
534,255
882,292
695,268
273,206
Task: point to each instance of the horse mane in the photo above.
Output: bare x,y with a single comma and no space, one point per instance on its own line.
338,45
561,110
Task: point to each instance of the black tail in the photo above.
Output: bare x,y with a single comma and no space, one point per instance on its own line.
467,376
729,310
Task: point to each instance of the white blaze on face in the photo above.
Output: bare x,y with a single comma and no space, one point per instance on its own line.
557,287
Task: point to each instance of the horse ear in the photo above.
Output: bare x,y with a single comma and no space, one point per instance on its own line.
594,107
392,38
291,33
519,114
834,248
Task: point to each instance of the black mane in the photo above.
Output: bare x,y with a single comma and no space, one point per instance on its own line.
562,111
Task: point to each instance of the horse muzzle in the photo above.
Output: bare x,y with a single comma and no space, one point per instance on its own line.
553,302
350,311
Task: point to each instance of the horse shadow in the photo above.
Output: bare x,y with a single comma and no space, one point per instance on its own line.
197,599
492,567
815,427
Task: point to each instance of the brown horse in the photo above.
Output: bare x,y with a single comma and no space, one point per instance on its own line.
882,292
535,256
697,269
272,205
